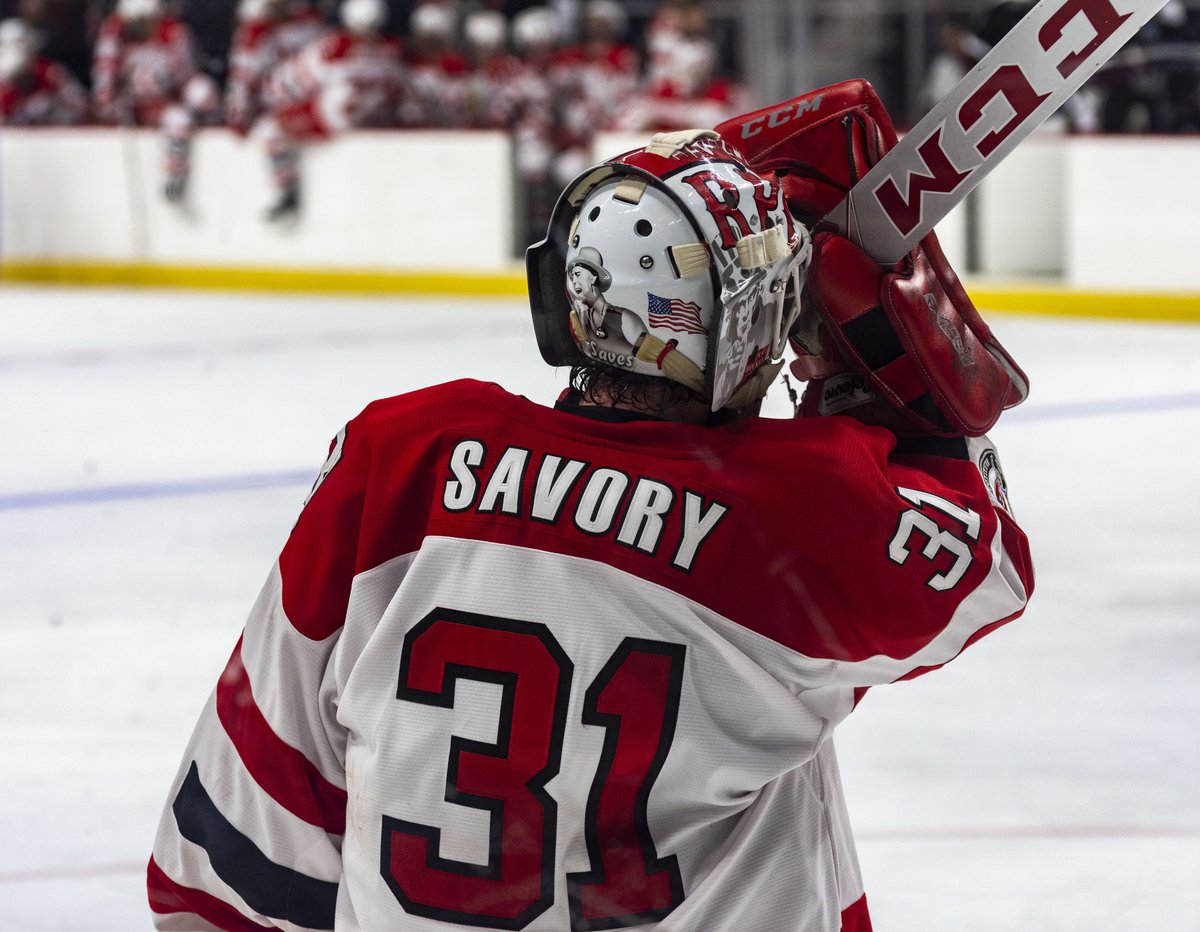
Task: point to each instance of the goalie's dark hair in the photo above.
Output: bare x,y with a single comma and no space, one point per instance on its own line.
604,385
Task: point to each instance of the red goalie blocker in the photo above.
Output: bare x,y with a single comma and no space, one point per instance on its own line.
912,330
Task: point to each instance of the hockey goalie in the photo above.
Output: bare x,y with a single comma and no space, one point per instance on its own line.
577,665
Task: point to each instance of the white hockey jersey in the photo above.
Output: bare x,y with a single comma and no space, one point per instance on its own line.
258,48
343,82
518,668
136,76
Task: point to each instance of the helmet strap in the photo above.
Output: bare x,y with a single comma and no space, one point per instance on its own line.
672,363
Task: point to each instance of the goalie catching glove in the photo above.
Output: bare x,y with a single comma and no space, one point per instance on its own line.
911,332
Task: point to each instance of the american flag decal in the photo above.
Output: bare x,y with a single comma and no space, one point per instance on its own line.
674,314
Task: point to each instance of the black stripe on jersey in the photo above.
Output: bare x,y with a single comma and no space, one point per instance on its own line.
268,888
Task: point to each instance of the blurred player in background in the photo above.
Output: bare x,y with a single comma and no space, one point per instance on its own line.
353,78
540,92
437,67
145,74
35,91
489,92
958,52
682,87
268,33
600,74
608,68
1153,86
523,667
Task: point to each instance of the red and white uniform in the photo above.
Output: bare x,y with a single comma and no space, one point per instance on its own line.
536,90
520,668
258,48
668,49
438,82
666,108
337,83
135,78
603,78
47,94
681,89
491,96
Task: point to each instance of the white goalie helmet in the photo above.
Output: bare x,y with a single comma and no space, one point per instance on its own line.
363,17
677,261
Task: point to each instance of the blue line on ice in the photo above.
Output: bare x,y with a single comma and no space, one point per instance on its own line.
21,501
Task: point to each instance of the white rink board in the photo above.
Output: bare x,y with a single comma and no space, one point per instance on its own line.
1022,210
1100,213
389,201
1133,213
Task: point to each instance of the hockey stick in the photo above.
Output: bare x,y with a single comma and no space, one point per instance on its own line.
1012,91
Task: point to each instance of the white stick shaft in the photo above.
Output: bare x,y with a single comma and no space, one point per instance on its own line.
1011,92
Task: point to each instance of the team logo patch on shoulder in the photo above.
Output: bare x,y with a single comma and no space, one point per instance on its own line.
993,478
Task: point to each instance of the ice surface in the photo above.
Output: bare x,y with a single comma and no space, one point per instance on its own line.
157,447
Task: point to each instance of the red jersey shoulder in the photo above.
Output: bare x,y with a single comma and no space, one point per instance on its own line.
438,404
880,549
369,503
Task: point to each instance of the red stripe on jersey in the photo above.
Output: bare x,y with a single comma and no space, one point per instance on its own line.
282,772
167,897
856,918
318,562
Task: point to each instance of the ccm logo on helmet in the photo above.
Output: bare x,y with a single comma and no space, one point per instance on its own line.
779,117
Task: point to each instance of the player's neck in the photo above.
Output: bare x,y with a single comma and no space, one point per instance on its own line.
685,412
